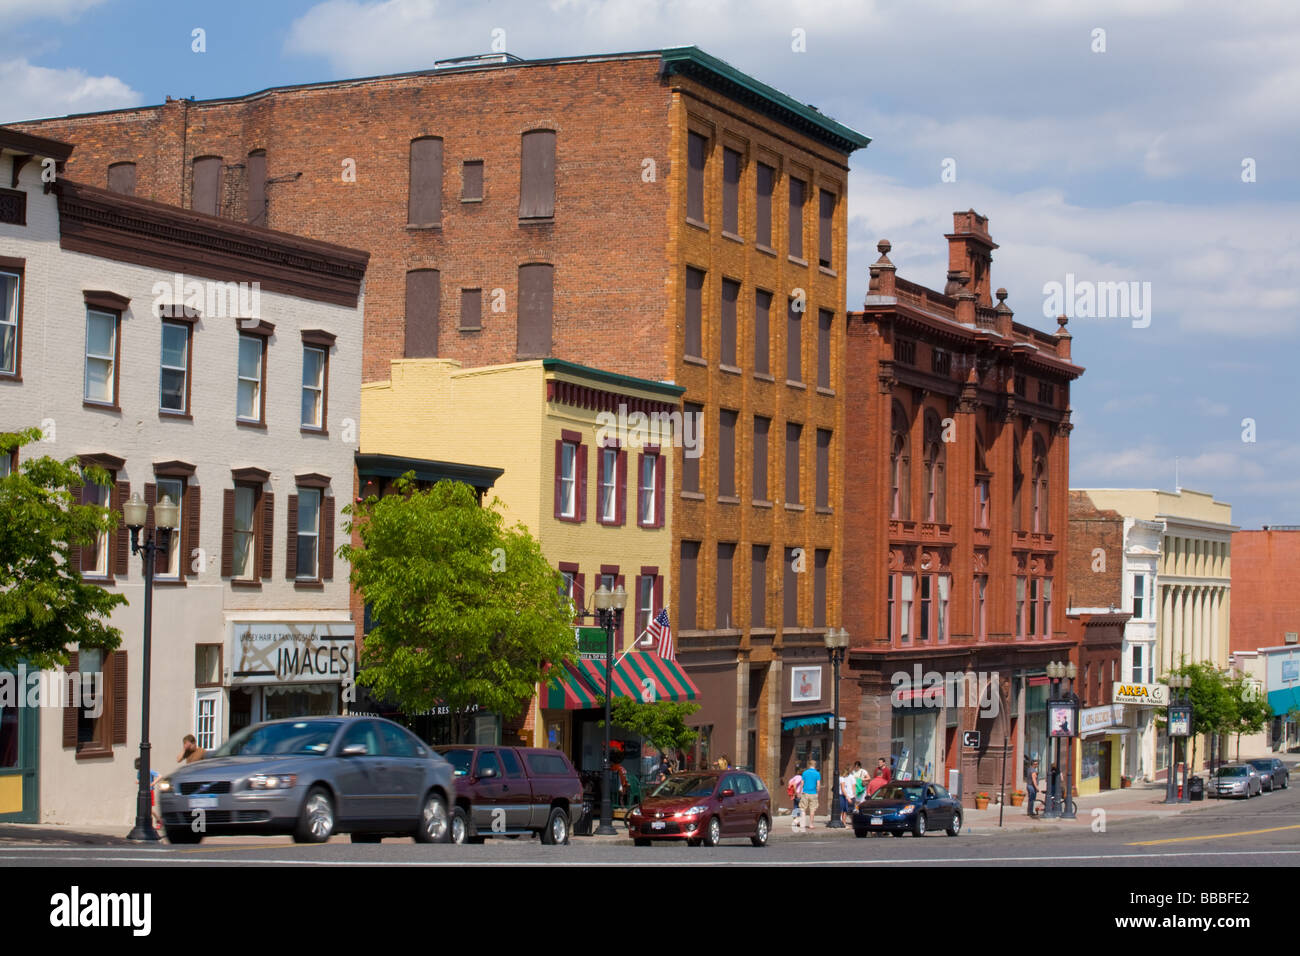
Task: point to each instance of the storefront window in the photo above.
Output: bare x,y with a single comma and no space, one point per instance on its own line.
1036,725
301,700
914,742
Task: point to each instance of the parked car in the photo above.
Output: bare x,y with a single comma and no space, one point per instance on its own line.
908,805
1236,780
704,808
1272,773
511,791
312,777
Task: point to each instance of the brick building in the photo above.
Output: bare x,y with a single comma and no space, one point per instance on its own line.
656,214
954,590
1265,605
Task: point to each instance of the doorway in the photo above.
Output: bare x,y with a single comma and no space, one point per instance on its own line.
1103,764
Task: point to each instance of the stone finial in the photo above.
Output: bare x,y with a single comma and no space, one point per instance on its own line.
1063,338
882,272
1062,320
1002,307
884,246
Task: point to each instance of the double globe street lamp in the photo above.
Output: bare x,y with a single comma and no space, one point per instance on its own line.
166,519
609,609
836,640
1060,784
1178,720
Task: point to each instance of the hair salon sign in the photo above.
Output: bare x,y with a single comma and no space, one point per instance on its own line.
265,652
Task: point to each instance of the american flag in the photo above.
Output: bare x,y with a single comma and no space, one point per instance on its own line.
658,630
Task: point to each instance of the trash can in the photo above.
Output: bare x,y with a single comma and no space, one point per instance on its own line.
1196,789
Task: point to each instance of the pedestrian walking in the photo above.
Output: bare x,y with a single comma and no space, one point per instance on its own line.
848,786
1032,785
794,790
808,802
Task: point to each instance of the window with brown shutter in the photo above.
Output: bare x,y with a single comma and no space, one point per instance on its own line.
121,538
266,532
121,178
825,216
730,294
731,161
761,428
722,613
694,340
537,175
536,302
691,464
192,512
471,310
257,188
423,296
661,488
793,431
758,586
763,208
825,328
727,453
697,147
424,200
793,343
119,695
762,334
13,284
821,558
471,180
790,591
291,543
207,185
70,710
326,559
796,217
570,477
102,680
823,468
686,602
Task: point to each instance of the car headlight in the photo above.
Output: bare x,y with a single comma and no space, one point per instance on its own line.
693,811
272,781
907,809
164,785
635,811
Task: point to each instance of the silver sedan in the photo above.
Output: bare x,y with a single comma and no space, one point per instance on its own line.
1235,780
312,777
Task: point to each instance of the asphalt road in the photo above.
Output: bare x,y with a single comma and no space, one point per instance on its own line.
1264,831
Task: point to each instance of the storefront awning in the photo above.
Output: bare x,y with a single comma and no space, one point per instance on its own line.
638,676
812,720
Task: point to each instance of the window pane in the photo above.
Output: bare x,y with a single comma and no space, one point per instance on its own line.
174,341
99,380
308,510
250,357
8,347
172,390
313,368
99,334
311,407
248,404
173,488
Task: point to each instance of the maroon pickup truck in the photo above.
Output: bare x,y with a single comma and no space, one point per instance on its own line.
510,791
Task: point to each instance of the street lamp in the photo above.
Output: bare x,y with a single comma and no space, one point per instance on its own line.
837,642
1068,813
166,517
609,608
1176,683
1055,673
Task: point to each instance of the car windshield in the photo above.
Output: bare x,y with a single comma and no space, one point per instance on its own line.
896,792
459,760
282,738
694,785
1262,764
1230,772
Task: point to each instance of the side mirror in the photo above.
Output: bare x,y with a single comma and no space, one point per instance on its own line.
727,793
487,773
354,750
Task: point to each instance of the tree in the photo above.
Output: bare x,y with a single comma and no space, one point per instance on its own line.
663,722
1214,707
1253,711
464,610
45,606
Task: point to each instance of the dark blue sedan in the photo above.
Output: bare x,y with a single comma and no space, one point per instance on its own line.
908,805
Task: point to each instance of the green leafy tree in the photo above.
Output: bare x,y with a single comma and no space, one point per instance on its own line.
45,606
1214,705
662,723
1253,711
464,610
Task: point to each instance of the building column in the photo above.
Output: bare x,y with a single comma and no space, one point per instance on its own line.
1198,629
1166,627
1176,635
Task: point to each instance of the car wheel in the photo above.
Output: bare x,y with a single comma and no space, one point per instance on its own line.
918,826
956,824
713,832
435,822
640,841
367,838
557,828
462,831
316,822
760,835
182,835
860,834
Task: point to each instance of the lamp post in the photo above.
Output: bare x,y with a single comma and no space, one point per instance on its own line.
1055,673
1068,812
1176,683
166,517
837,642
609,608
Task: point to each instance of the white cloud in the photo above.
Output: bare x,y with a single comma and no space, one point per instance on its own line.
18,11
35,92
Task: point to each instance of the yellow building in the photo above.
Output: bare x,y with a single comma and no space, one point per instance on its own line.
587,464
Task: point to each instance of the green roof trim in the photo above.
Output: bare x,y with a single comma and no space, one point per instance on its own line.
693,62
394,466
612,378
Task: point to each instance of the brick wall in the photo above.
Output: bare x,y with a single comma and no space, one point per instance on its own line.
1095,562
1265,603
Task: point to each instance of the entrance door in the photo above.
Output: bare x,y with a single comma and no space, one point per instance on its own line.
18,761
1103,763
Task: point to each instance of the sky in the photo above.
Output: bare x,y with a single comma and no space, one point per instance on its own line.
1154,142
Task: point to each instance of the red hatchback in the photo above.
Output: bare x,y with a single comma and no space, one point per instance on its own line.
704,808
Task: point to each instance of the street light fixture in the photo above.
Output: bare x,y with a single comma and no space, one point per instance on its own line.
1071,671
166,518
609,609
1055,673
836,640
1176,683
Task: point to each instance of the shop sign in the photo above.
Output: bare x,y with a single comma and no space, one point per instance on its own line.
591,642
265,652
1180,721
1062,718
1093,719
1290,670
1150,695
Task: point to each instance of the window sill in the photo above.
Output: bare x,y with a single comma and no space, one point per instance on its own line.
764,377
802,386
827,271
93,752
245,424
790,507
728,500
695,360
169,582
569,519
697,224
537,221
766,250
823,390
797,261
732,369
101,406
308,585
470,328
760,503
733,237
693,496
163,415
309,430
762,630
823,510
97,578
469,199
247,585
424,227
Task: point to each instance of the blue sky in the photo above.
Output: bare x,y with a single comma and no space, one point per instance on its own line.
1122,165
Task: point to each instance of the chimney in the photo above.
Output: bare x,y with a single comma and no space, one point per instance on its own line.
970,251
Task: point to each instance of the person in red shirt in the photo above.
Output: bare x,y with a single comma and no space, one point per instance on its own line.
882,768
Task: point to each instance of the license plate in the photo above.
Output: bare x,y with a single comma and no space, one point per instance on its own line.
877,821
204,803
657,825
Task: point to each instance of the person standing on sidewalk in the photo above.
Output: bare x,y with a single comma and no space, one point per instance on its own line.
794,789
1031,785
808,802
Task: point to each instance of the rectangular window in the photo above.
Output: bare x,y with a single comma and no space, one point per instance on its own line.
173,385
95,561
424,206
823,468
1136,670
761,428
793,343
471,310
981,502
609,486
696,149
173,488
207,720
927,596
121,178
727,453
567,479
314,361
694,344
825,329
1033,607
10,287
686,611
730,294
471,180
536,306
758,586
790,591
762,335
244,564
1045,596
1139,595
821,560
252,378
423,300
207,665
645,602
980,620
207,184
825,216
906,595
691,465
891,626
797,188
731,191
537,175
763,208
648,492
941,608
1020,607
309,513
722,612
101,357
793,432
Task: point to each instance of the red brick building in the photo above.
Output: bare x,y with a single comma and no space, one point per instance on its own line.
956,475
1265,604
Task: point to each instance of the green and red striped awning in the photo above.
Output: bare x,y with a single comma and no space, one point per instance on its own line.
638,676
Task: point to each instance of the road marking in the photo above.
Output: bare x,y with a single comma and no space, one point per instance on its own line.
1213,836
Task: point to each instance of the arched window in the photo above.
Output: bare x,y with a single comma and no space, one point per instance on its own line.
936,487
1040,485
900,469
1018,484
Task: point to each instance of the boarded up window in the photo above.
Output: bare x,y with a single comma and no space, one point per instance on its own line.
761,428
758,587
686,617
536,299
722,614
824,329
691,465
424,202
762,325
730,294
793,432
697,147
793,343
823,468
796,217
471,309
537,175
763,208
820,560
207,184
471,179
121,178
731,191
790,591
257,188
825,215
727,453
694,312
423,294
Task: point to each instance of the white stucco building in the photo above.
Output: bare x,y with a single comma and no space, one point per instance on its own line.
243,408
